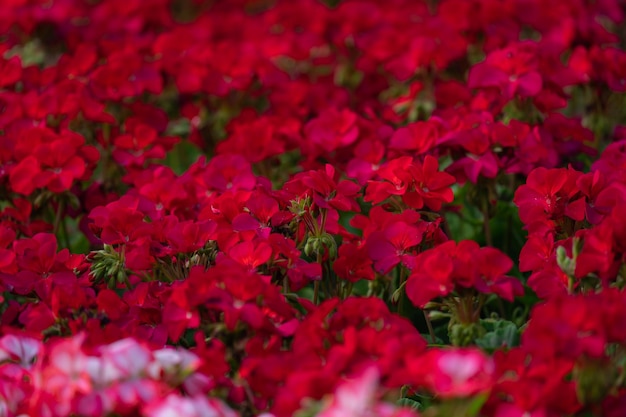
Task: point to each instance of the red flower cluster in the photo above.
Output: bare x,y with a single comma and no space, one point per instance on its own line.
312,207
438,271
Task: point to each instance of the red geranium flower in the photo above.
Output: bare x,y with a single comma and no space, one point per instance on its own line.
419,184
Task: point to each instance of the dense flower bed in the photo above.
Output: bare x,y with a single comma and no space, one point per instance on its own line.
308,208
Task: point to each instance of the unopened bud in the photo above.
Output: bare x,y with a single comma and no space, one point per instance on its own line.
567,264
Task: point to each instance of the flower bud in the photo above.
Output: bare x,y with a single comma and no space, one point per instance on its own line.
309,248
329,242
594,380
464,334
567,264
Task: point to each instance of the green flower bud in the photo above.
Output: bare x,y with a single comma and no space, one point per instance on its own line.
594,380
309,248
330,244
464,334
567,264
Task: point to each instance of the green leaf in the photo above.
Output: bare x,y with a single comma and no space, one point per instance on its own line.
500,333
476,404
410,403
180,127
182,156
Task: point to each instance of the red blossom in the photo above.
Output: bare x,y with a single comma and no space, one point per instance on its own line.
332,129
393,245
512,70
353,264
11,70
251,254
439,271
195,151
270,135
551,195
419,184
419,137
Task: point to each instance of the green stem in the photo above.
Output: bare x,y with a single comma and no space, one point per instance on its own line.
316,292
468,307
486,225
64,235
481,303
348,290
316,286
403,296
324,214
58,216
334,285
429,324
446,228
501,307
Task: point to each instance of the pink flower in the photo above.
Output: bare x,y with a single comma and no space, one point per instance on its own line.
359,398
451,373
198,406
22,349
